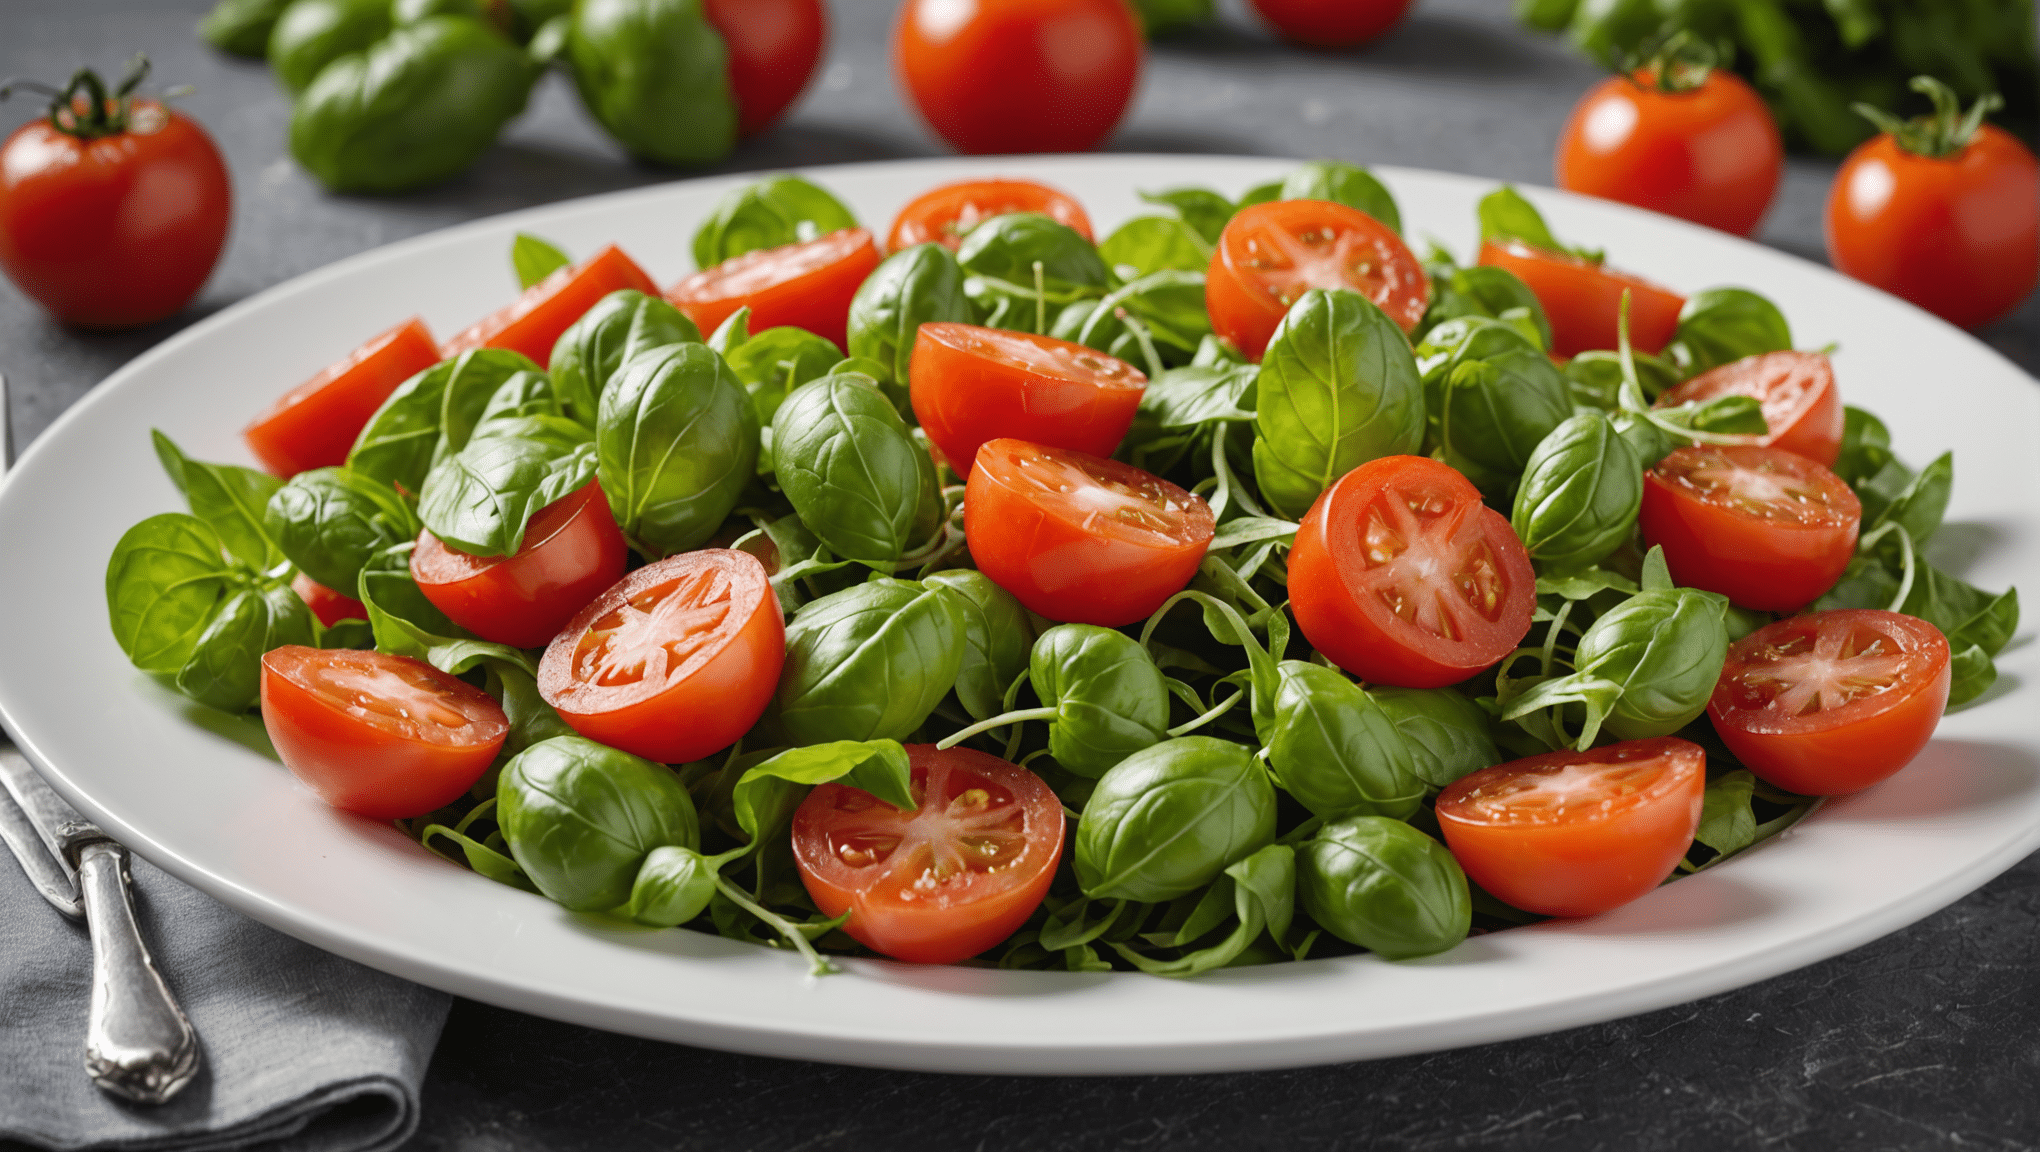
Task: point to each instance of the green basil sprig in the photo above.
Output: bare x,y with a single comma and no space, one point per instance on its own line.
1385,886
582,818
1330,745
619,326
1722,325
1167,820
769,213
1343,183
775,362
998,639
1148,244
869,662
330,521
480,499
1023,268
1446,733
919,285
229,498
676,440
846,461
431,416
1580,493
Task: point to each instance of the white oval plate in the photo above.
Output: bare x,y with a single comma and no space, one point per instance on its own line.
188,790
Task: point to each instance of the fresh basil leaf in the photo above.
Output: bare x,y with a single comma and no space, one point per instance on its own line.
1264,900
224,669
524,394
480,500
1168,304
1205,211
869,662
918,285
1261,194
164,584
1001,257
655,75
535,259
769,213
1343,183
1252,530
1919,507
1187,397
1582,585
1727,823
1722,325
998,638
1971,674
764,796
774,363
849,466
732,333
1505,216
329,521
619,326
430,416
386,580
450,654
1147,244
676,442
229,498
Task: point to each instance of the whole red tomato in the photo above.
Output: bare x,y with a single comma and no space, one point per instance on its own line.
1332,23
1696,143
774,47
1019,75
113,209
1943,211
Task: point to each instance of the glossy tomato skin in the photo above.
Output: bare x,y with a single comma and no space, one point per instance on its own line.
971,384
1791,702
944,215
1711,154
532,323
1417,508
1958,236
1332,23
1707,507
1635,808
1019,75
1271,254
807,285
315,424
1802,406
1014,817
714,605
1032,518
329,606
572,551
1583,300
774,47
118,231
424,743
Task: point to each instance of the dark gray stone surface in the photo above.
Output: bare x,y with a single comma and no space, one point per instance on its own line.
1928,1038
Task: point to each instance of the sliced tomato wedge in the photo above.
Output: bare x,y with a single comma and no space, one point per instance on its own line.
1402,576
385,736
329,606
1577,833
1767,528
944,882
1583,300
314,424
1079,538
572,551
1835,701
675,661
532,323
970,384
1802,407
1271,254
945,214
806,285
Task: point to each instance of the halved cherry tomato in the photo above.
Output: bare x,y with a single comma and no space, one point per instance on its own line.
1577,833
532,323
1271,254
1583,299
945,214
572,550
329,606
385,736
1767,528
971,384
675,661
314,424
806,285
1402,576
1832,702
774,47
1797,390
1079,538
946,881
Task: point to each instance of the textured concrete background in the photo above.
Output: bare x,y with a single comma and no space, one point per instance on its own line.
1928,1038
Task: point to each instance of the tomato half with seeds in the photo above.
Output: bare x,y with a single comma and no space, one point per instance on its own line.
674,662
1402,576
386,736
805,285
1079,538
1767,528
532,323
944,215
315,424
1271,254
329,606
944,882
1577,833
971,384
1583,299
572,550
1796,390
1832,702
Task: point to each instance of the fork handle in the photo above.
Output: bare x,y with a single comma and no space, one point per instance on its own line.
138,1042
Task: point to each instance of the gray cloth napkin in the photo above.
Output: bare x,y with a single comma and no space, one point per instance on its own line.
303,1051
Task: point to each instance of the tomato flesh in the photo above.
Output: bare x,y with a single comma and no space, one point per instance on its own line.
804,285
532,323
385,736
1832,702
1767,528
946,214
1271,254
1402,576
1079,538
674,662
572,551
1802,407
774,46
946,881
1577,833
329,606
1709,154
1583,300
315,424
971,384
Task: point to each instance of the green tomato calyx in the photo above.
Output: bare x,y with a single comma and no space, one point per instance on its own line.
82,107
1942,134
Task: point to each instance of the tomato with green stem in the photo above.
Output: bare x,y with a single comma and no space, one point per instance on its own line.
805,285
944,215
1271,254
1767,528
315,424
970,384
572,550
